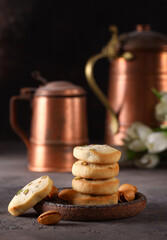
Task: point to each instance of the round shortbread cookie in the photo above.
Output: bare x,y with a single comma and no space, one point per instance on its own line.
91,170
101,154
95,187
30,195
77,198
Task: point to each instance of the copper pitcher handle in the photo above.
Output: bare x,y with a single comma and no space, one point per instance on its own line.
89,68
25,95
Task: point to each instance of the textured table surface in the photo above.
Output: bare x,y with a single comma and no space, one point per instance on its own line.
150,224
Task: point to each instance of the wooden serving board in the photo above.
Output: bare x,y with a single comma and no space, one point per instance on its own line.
94,213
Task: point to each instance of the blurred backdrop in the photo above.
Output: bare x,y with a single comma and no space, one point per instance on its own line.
57,38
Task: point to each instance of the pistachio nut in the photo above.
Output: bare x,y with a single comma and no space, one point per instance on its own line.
125,187
49,217
53,194
129,195
126,196
121,197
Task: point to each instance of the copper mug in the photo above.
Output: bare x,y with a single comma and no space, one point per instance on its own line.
58,124
138,62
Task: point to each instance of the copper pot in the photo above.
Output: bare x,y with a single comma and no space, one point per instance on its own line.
59,123
138,62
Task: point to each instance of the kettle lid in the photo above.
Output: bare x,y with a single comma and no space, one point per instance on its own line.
60,88
144,38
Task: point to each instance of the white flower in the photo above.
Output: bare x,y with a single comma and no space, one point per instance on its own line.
136,137
137,145
161,108
147,161
164,97
156,142
161,111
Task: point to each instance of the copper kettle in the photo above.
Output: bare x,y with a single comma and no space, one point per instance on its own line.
59,123
138,62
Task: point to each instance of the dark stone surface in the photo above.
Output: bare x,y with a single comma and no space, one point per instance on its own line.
150,224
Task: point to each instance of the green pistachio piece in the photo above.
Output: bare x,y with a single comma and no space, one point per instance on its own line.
26,191
19,192
43,177
77,178
29,184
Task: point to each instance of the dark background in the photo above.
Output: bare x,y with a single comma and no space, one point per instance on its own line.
57,38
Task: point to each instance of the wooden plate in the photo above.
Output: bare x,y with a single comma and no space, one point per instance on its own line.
94,213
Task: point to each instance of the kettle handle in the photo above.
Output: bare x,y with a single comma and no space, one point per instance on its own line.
92,83
26,94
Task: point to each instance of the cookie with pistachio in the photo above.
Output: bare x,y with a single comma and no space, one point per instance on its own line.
30,195
96,171
95,153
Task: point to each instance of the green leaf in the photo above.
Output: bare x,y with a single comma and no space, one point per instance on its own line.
164,130
156,93
130,154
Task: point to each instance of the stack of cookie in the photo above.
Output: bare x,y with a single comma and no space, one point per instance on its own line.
95,173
